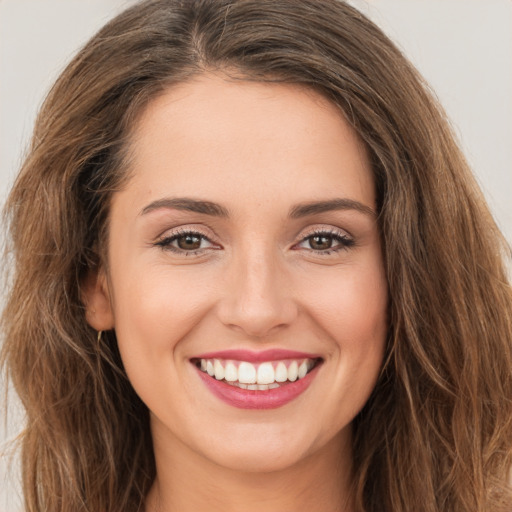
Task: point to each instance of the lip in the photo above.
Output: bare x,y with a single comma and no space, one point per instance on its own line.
255,399
250,356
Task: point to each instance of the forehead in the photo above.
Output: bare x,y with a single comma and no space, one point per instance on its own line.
229,138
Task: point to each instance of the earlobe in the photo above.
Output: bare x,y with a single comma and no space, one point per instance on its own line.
96,298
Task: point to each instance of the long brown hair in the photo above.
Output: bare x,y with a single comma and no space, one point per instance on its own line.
436,434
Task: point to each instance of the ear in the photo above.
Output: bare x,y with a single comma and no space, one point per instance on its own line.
96,297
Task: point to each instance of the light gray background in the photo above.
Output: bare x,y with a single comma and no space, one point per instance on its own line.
462,47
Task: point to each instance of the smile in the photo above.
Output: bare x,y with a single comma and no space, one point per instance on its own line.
261,377
257,383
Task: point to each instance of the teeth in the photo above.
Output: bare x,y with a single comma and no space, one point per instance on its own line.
265,373
246,373
219,369
256,377
231,373
303,369
293,371
281,373
259,387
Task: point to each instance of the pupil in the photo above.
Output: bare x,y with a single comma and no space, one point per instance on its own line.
320,242
189,242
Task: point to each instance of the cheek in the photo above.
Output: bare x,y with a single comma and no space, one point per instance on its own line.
351,310
154,312
351,305
155,309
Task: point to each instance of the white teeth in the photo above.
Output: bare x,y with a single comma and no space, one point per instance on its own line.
265,373
219,369
261,376
255,387
293,371
246,373
231,373
303,369
281,373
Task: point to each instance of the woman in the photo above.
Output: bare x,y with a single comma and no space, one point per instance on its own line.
252,270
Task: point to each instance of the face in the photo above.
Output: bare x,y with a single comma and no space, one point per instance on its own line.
243,252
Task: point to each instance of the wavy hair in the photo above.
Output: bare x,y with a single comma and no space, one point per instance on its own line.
436,434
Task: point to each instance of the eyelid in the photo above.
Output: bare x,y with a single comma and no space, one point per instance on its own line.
186,229
345,240
322,228
165,240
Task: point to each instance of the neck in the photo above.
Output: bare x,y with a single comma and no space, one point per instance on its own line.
188,482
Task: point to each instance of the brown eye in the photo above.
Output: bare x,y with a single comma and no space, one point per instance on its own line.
326,242
189,242
186,243
320,242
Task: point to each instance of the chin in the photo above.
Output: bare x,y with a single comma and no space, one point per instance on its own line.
260,451
257,460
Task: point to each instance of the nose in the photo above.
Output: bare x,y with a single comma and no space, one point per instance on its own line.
258,298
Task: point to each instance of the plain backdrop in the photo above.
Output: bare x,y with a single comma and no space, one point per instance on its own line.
463,48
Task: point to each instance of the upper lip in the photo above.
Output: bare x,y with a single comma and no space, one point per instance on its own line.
259,356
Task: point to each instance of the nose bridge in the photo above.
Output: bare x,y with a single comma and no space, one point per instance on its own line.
257,298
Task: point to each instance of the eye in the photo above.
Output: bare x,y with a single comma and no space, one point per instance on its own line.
189,242
326,242
185,242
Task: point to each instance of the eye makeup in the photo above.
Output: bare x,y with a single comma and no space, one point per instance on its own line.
191,242
326,241
186,242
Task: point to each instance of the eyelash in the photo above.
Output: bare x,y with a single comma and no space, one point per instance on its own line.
165,243
343,240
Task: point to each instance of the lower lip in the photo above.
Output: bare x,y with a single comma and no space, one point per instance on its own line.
255,399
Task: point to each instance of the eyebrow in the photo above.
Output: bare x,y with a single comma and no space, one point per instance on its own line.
313,207
187,204
296,212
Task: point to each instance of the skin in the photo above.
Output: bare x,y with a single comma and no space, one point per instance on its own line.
258,150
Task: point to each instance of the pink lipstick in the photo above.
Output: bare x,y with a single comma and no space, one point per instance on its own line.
257,380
